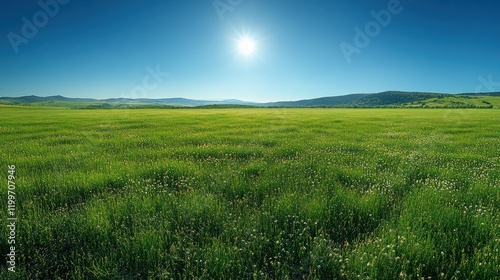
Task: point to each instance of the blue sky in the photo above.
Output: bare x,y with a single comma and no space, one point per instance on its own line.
305,49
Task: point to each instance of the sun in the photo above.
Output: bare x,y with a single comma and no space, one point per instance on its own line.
246,46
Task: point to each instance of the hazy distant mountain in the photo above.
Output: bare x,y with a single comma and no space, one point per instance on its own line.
382,99
35,99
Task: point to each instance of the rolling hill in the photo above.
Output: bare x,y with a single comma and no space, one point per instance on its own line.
382,99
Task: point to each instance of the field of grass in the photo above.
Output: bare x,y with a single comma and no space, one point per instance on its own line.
253,193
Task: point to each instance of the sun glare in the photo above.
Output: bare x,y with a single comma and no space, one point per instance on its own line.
246,46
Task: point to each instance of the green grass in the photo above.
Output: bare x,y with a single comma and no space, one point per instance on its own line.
253,193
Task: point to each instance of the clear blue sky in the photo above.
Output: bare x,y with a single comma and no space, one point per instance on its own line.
305,49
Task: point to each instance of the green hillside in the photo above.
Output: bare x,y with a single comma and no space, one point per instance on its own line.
458,101
394,98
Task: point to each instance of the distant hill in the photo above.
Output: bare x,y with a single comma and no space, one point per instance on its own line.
61,101
322,101
482,94
395,98
381,99
400,99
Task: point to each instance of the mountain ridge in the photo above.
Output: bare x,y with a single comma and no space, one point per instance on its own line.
381,99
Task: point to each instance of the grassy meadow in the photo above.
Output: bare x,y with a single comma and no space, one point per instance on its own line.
253,193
